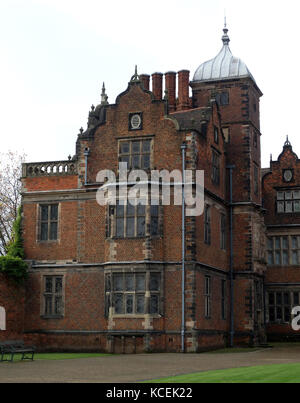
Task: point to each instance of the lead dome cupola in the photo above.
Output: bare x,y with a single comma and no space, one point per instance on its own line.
224,66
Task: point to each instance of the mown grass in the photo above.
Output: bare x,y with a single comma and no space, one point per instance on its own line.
278,373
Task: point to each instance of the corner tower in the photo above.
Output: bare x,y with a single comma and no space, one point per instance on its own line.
228,80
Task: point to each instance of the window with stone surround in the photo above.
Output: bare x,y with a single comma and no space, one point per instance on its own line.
283,250
207,296
223,231
288,201
129,221
222,98
255,179
136,153
53,296
48,222
215,175
207,227
223,299
280,304
133,293
216,135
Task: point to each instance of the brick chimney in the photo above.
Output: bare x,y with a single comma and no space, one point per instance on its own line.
157,85
170,85
183,89
145,79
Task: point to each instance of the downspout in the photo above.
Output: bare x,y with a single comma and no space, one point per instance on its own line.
86,153
183,148
231,167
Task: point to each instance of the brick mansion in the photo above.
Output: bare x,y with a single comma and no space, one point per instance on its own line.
147,278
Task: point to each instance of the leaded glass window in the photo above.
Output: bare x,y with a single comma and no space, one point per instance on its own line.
48,222
53,295
128,293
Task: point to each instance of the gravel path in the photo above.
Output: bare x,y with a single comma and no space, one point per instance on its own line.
139,367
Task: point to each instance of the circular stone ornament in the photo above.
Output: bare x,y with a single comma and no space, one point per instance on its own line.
288,175
136,121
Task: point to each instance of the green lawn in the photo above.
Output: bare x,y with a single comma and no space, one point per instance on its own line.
60,356
282,373
233,350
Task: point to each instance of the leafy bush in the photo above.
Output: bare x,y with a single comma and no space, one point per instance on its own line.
14,267
15,248
13,264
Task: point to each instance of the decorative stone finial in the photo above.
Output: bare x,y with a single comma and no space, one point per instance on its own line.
135,78
104,97
225,37
287,142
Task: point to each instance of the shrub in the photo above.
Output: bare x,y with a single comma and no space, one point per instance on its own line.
13,264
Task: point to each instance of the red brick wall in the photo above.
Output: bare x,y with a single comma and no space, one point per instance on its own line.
12,299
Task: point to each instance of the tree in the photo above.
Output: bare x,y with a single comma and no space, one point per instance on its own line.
10,196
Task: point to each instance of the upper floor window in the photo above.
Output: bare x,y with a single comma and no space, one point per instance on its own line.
136,153
255,140
223,231
53,296
283,250
222,98
207,229
216,135
215,175
48,222
255,179
288,201
129,221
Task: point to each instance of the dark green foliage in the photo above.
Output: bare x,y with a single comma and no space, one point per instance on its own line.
13,264
15,248
13,267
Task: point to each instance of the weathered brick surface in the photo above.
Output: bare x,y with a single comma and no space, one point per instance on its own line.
281,224
84,252
12,299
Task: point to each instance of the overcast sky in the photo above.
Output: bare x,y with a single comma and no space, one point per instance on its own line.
55,55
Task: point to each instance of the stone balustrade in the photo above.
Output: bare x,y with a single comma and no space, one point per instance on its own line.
53,168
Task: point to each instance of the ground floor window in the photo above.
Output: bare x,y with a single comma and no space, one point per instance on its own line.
280,305
53,296
207,297
133,293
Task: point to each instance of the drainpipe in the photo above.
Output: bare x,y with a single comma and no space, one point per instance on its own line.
231,167
86,153
183,148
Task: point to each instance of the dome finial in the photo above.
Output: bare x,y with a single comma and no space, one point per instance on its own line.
225,37
135,78
287,142
104,97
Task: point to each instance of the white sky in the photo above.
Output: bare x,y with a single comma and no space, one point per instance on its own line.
55,54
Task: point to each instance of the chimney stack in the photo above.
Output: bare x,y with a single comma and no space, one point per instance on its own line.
157,85
183,89
145,79
170,85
